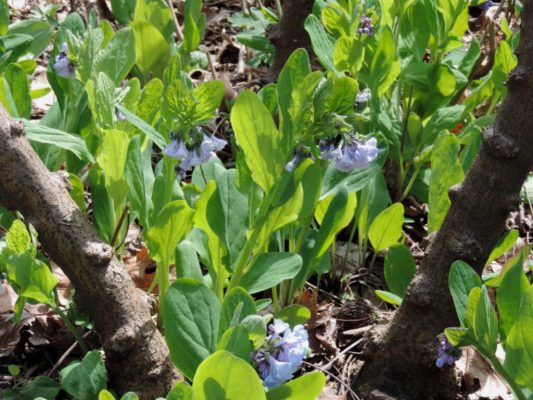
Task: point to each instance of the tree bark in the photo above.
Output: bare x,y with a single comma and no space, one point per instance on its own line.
290,33
400,358
136,354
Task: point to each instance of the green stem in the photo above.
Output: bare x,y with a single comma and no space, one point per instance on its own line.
498,367
275,299
373,261
72,328
279,8
164,283
410,184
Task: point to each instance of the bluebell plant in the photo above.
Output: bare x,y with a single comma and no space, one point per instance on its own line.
282,353
363,97
447,354
365,26
197,149
63,65
351,153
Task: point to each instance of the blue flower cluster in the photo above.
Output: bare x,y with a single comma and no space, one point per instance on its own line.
448,354
351,154
365,26
63,65
282,353
200,150
363,97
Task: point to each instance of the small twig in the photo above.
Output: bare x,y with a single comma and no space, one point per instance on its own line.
347,387
119,225
175,19
347,349
66,354
357,331
211,65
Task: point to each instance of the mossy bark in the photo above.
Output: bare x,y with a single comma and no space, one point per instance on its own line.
400,357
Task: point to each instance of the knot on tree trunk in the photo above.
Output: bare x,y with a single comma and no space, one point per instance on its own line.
500,146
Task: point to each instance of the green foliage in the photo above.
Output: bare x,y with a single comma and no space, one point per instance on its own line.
86,378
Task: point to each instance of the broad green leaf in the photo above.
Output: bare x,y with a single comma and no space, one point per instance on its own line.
257,328
157,13
259,139
32,277
39,30
41,386
236,341
171,225
140,179
129,396
209,96
237,305
348,54
104,216
386,229
462,279
334,180
517,258
519,346
294,314
385,66
149,103
270,269
105,395
191,317
101,98
223,376
505,243
187,265
339,212
400,268
151,49
301,109
118,57
86,378
74,143
513,286
19,86
4,17
446,171
194,25
123,10
472,306
443,118
486,322
111,157
17,237
180,391
305,387
389,297
323,44
458,336
227,214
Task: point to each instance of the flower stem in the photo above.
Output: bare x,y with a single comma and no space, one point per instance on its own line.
72,328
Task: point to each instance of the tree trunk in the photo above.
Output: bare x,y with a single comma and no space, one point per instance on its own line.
290,33
400,358
136,354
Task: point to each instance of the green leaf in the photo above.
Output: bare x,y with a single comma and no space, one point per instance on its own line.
259,139
386,229
400,268
74,143
191,317
171,225
86,378
118,57
209,96
256,327
143,126
19,86
513,286
353,181
123,10
180,391
385,66
129,396
504,244
4,17
157,13
294,314
194,25
151,49
227,214
389,297
458,336
236,341
323,44
519,346
39,30
462,279
348,54
306,387
270,269
105,395
223,376
237,305
446,171
140,179
111,157
33,278
41,386
17,237
187,265
486,322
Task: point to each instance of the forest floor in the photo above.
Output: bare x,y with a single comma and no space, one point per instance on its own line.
343,304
